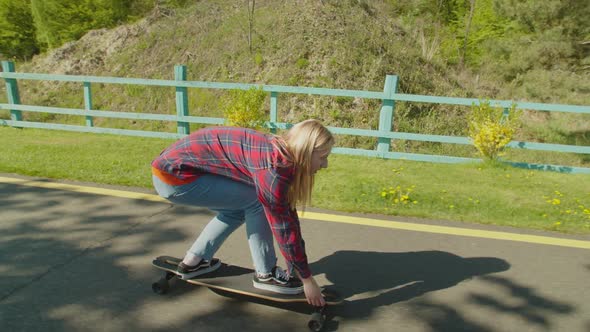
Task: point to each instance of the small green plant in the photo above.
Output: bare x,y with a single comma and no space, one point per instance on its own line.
258,59
243,108
491,128
302,63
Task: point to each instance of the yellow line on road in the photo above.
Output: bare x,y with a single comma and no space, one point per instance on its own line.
83,189
546,240
449,230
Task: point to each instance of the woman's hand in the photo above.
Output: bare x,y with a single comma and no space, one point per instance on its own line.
313,293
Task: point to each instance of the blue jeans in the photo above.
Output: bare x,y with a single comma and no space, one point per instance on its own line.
235,203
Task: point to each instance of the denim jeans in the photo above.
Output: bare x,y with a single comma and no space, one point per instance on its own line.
235,203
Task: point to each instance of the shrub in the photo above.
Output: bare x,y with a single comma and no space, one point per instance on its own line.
491,128
244,108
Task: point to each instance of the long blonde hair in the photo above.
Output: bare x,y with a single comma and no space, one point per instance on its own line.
301,140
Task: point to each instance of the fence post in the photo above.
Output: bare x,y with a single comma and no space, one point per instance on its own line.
505,114
273,111
88,103
181,100
386,113
12,90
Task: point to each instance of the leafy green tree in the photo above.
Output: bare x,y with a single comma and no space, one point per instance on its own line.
29,26
537,16
544,35
60,21
475,22
17,31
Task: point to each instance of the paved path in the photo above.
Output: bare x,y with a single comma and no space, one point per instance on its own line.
76,257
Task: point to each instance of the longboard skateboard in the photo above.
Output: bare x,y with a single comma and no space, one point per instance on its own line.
238,280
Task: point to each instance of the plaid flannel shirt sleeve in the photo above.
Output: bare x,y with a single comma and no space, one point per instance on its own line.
272,188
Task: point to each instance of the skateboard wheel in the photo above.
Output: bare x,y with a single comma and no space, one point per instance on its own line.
316,322
161,287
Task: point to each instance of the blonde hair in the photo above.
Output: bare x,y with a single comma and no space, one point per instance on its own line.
302,140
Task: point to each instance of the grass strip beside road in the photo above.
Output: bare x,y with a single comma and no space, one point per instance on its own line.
472,193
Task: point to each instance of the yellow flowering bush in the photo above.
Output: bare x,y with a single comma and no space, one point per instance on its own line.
243,108
491,129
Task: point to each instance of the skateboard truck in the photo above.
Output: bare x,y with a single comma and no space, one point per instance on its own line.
317,319
163,285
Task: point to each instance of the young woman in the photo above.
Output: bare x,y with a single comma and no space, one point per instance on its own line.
253,178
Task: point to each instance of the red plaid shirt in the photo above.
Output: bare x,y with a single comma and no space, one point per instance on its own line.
250,157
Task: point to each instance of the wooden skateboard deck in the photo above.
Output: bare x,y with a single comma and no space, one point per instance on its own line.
238,280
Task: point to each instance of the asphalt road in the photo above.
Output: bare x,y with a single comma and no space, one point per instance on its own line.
78,258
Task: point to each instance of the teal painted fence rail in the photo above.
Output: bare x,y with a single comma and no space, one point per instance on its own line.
383,134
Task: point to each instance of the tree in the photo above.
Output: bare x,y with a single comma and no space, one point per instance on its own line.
251,4
474,24
17,31
544,35
60,21
467,29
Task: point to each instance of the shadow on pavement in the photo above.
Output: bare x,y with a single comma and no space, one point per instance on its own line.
369,280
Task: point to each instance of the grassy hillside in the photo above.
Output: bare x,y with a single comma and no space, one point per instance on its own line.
333,44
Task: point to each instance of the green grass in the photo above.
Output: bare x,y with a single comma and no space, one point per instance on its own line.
475,193
96,158
478,193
